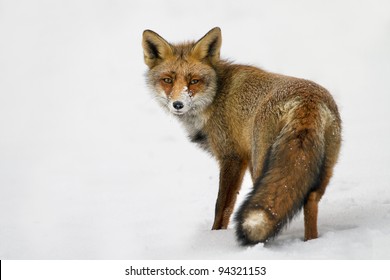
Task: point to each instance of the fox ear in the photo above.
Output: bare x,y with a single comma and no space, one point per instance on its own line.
208,47
155,47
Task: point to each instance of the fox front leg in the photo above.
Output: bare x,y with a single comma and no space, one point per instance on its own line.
232,170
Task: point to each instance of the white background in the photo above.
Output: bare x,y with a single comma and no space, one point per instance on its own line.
92,168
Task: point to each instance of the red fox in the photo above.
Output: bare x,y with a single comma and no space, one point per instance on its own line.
285,130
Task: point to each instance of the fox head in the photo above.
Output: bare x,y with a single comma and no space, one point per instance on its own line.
182,76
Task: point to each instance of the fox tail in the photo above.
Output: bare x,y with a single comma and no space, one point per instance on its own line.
293,167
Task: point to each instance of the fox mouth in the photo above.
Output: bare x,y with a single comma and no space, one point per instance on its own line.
178,112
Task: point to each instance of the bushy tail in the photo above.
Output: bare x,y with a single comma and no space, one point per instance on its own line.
292,168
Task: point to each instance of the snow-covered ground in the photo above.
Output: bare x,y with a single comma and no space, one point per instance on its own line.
92,168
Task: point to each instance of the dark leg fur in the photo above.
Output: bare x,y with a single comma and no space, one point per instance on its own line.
231,175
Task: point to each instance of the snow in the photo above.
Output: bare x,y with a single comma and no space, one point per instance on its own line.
92,168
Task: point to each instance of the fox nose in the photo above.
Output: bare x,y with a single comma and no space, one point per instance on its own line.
178,105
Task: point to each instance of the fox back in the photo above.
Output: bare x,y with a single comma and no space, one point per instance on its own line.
286,131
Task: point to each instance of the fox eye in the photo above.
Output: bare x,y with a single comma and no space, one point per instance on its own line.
167,80
194,81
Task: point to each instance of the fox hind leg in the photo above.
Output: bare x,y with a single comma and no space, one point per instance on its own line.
310,209
310,216
311,205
